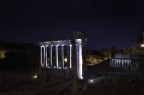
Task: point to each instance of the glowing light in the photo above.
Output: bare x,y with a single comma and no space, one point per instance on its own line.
91,80
2,54
65,60
35,76
142,45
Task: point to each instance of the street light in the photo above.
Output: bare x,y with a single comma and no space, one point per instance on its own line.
142,45
35,76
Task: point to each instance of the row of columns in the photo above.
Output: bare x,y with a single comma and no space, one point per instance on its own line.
124,63
44,56
120,62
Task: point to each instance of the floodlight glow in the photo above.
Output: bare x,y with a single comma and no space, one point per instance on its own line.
91,80
35,76
142,45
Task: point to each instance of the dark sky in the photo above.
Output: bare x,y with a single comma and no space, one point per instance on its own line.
106,23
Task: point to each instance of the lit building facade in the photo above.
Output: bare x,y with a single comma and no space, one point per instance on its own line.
123,61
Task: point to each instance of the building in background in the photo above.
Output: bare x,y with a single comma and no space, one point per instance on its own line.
127,62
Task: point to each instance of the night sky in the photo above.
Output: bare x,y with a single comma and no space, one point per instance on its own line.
106,23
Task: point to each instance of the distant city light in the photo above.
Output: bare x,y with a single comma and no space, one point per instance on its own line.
2,54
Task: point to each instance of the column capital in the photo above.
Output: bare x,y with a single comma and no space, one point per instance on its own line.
62,45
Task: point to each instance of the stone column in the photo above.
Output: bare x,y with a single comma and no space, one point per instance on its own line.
46,56
79,59
122,62
80,65
70,57
62,56
56,56
51,56
41,56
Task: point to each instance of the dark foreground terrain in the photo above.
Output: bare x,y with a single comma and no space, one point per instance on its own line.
26,84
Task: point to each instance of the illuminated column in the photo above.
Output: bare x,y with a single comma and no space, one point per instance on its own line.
128,63
56,56
41,56
79,67
51,56
118,63
79,58
46,56
125,63
70,57
122,63
62,55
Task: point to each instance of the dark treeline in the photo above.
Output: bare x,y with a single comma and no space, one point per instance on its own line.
19,56
16,46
